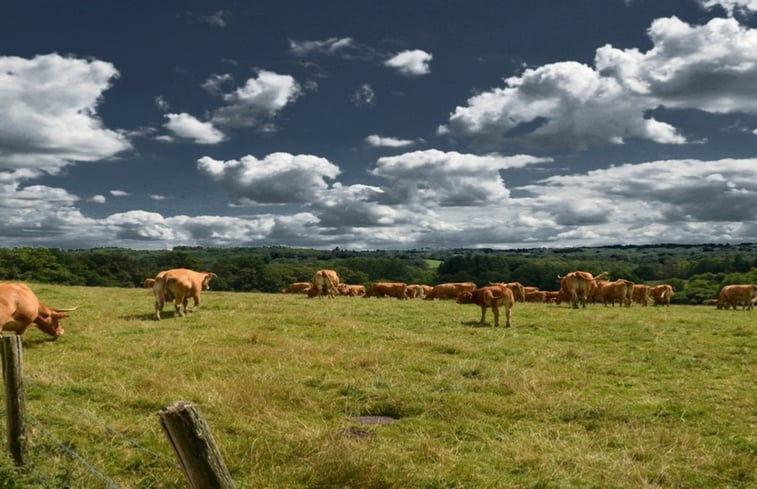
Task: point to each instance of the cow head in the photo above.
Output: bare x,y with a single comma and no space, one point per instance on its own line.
48,320
206,280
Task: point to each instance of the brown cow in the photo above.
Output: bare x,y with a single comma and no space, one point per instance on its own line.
536,296
490,296
579,285
733,295
20,308
351,290
551,296
148,283
519,291
620,290
390,289
418,291
325,282
297,288
641,294
449,290
179,284
661,294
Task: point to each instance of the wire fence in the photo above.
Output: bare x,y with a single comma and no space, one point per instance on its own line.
68,448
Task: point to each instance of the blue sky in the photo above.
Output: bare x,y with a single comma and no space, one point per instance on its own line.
378,124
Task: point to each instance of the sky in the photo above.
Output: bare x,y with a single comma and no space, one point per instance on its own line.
377,124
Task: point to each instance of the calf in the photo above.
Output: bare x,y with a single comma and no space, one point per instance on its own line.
490,296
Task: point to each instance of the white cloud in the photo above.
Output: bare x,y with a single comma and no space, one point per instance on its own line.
411,62
219,18
388,142
257,101
438,178
278,178
732,6
363,96
331,45
118,193
188,127
98,199
711,67
217,84
49,113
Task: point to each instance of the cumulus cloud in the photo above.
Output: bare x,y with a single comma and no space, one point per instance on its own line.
411,62
255,103
276,179
188,127
49,114
712,67
388,142
438,178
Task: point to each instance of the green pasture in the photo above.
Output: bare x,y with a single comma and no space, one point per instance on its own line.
602,397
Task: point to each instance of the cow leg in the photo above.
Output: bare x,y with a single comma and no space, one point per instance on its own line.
508,313
495,310
483,314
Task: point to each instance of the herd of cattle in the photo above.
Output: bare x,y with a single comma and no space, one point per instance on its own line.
20,307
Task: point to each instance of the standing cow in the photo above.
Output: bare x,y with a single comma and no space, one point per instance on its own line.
178,285
662,294
490,296
620,290
325,282
733,295
579,285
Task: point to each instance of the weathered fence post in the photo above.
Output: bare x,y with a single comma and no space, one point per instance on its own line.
15,398
194,446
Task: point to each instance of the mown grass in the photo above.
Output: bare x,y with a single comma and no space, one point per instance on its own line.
601,397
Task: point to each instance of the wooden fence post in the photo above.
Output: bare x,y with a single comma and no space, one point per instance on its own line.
15,398
194,446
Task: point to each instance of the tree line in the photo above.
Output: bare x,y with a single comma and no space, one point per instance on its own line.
697,272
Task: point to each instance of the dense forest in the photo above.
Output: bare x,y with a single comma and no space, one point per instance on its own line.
697,272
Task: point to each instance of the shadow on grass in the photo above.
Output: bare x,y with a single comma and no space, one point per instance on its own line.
36,342
476,324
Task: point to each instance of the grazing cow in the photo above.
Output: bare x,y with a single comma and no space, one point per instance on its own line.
20,308
148,283
536,296
490,296
579,285
418,291
297,288
662,294
387,289
325,282
620,290
733,295
449,290
551,296
351,290
179,284
641,294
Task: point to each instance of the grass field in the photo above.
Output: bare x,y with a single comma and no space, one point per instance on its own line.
602,397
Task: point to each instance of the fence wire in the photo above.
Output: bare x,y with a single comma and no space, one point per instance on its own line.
72,454
134,443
